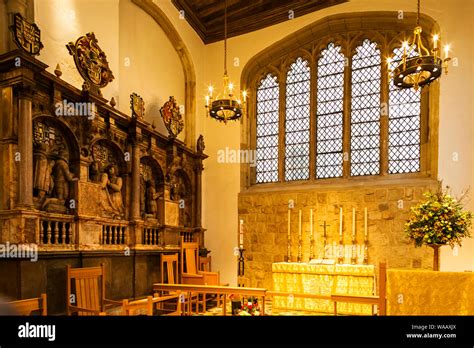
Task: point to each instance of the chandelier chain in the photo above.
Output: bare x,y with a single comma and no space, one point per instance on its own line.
418,14
225,38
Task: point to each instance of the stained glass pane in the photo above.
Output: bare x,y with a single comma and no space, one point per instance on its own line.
329,116
267,130
297,121
365,110
403,126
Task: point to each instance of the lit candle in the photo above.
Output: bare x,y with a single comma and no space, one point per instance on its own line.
365,222
435,41
210,91
244,94
446,51
311,223
353,223
299,231
340,222
231,87
207,100
241,234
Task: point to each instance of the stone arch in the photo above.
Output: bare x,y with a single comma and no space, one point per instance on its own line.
188,67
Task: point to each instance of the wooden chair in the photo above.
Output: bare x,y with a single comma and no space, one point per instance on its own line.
138,307
189,269
28,306
88,287
205,263
169,266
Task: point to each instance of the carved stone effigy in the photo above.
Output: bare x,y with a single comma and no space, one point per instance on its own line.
95,185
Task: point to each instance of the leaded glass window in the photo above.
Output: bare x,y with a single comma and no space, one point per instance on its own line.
297,121
329,112
403,126
267,130
365,110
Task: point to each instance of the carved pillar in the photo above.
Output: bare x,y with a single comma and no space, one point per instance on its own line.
135,199
25,147
198,202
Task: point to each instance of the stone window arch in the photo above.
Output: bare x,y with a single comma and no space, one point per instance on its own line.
355,124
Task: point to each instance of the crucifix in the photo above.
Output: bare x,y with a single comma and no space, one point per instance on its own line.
325,226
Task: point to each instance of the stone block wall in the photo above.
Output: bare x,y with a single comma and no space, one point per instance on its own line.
265,215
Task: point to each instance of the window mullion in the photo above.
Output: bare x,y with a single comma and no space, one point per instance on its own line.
346,141
281,127
312,120
384,110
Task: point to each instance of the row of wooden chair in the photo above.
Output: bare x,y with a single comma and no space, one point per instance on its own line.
86,289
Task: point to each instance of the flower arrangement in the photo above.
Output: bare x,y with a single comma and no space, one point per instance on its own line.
440,219
251,308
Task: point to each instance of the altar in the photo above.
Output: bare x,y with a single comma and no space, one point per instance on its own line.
323,279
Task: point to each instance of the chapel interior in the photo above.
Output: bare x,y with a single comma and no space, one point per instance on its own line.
230,157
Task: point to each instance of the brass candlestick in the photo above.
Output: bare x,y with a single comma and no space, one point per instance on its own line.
325,239
366,251
300,247
311,248
341,252
354,252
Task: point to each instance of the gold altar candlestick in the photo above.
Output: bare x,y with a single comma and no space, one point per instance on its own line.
340,251
354,244
325,241
366,239
300,238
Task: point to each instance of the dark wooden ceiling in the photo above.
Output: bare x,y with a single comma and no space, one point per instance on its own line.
243,16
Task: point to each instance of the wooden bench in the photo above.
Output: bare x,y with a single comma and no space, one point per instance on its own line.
26,307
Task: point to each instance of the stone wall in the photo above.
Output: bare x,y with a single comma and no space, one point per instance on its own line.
265,215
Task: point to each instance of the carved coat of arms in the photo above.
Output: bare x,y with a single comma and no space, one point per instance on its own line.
26,35
137,105
91,61
172,117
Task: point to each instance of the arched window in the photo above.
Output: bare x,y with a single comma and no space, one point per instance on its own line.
345,120
403,126
267,130
329,112
297,121
365,110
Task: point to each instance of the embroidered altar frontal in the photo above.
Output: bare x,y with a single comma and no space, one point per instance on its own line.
325,280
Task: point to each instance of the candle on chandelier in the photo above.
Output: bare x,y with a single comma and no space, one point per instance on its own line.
435,41
210,91
340,222
365,222
207,100
446,51
353,223
241,234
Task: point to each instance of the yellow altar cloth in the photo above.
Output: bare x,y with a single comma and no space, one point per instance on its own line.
323,280
412,292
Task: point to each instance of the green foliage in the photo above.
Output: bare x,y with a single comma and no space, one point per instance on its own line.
440,219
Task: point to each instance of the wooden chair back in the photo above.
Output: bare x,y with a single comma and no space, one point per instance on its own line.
88,287
205,263
189,257
30,305
169,263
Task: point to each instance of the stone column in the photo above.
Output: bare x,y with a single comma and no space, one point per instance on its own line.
135,199
25,147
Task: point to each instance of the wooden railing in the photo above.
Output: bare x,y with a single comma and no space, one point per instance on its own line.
226,291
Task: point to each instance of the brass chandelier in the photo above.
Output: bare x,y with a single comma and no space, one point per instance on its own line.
225,106
418,66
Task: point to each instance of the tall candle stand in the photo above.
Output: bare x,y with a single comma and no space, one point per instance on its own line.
241,270
311,248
